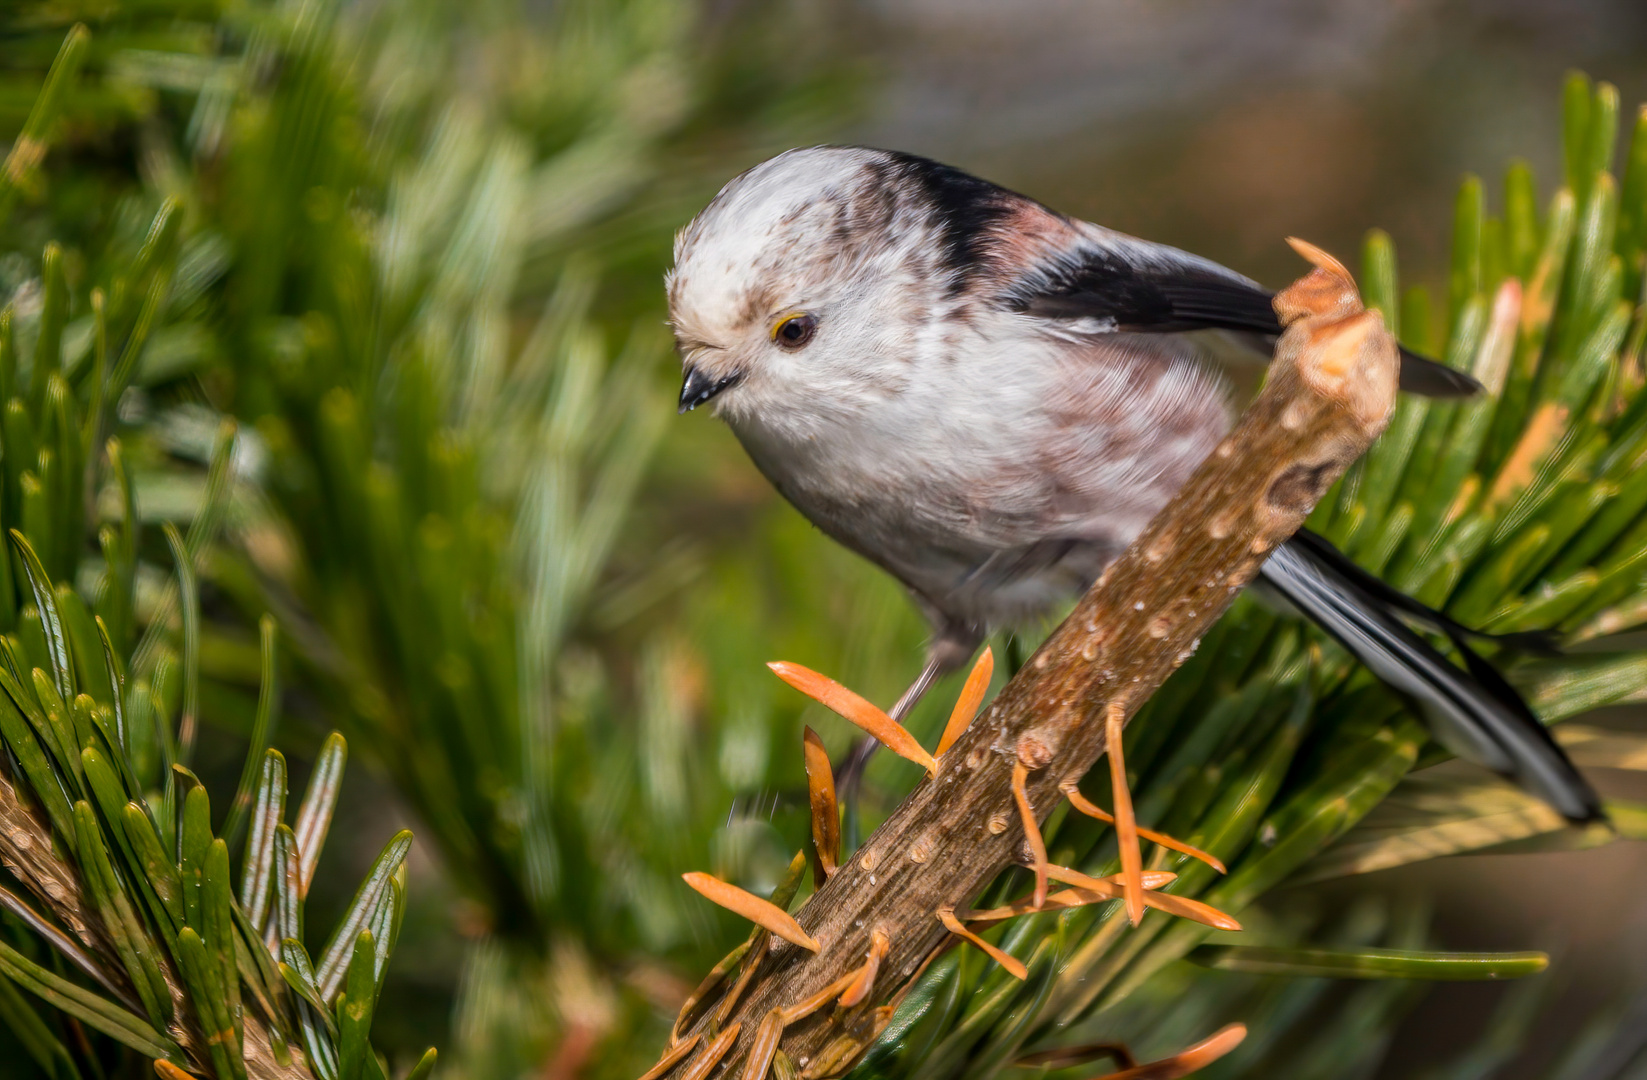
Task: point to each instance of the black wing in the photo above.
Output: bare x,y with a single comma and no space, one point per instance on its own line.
1475,713
1155,289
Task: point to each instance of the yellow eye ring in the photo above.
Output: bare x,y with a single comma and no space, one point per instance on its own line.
794,330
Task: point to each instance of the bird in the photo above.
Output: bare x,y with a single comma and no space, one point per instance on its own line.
989,399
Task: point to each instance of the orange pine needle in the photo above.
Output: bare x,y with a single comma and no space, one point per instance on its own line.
671,1057
167,1071
879,944
840,700
1112,888
1065,898
1194,1059
1126,826
958,928
826,819
1320,258
765,1046
1093,810
966,706
762,913
712,1054
1194,910
1182,906
807,1006
1032,830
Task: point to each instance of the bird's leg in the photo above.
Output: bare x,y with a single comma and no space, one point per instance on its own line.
953,644
851,772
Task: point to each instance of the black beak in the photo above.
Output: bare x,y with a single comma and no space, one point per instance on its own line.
699,388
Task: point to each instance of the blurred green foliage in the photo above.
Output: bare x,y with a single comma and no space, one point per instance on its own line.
410,253
120,878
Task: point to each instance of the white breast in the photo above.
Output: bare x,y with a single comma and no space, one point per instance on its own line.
998,470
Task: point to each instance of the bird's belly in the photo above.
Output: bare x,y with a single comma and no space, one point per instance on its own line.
994,518
997,546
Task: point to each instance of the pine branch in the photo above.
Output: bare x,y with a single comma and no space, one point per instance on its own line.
1330,393
26,850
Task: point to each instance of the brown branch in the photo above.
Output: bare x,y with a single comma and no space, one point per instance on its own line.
1329,393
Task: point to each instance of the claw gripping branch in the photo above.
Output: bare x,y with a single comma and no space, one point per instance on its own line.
1330,391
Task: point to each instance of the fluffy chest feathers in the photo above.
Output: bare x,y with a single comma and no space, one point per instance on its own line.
989,441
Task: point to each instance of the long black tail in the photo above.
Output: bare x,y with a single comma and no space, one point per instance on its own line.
1475,713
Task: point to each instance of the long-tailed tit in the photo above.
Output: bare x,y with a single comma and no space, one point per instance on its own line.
989,400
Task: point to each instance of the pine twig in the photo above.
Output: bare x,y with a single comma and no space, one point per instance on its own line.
1330,392
26,850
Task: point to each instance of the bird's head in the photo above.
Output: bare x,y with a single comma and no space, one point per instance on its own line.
816,276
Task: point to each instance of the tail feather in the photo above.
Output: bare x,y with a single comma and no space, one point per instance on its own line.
1422,376
1475,713
1321,550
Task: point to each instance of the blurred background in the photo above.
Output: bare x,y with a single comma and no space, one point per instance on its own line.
1222,127
534,160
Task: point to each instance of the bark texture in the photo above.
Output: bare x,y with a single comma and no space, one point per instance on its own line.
1329,393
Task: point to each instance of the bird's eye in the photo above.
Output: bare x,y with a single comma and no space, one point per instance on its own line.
793,331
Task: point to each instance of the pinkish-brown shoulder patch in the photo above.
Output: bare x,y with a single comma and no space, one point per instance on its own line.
1027,233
